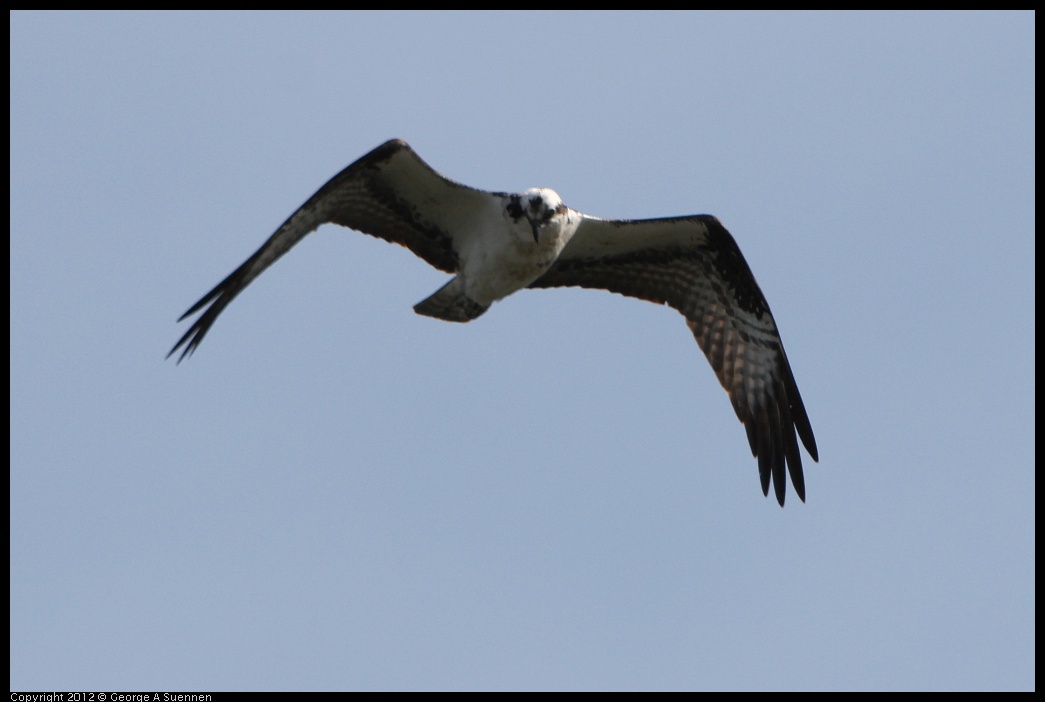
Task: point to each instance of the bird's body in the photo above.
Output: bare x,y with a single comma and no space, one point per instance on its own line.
498,243
494,267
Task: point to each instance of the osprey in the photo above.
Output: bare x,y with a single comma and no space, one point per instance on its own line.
497,243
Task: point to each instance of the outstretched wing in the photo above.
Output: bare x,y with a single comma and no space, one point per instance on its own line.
694,265
389,193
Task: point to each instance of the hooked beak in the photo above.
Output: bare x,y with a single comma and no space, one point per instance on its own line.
536,227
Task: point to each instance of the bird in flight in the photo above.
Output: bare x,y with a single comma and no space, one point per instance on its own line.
497,243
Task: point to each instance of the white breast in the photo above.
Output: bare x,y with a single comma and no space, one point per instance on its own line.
505,258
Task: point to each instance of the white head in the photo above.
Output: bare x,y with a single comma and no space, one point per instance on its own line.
540,207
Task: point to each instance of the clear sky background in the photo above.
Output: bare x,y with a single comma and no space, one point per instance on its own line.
336,493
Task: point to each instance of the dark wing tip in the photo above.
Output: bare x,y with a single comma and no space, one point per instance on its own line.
773,433
215,301
192,338
193,341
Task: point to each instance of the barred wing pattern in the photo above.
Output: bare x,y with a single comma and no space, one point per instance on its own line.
379,194
694,265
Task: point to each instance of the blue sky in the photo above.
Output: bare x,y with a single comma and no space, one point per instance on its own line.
336,493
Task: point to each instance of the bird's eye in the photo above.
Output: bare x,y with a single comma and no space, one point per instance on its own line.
514,208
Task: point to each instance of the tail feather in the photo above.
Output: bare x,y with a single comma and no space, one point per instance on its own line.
451,304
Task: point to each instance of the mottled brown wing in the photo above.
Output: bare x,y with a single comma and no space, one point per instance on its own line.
388,193
694,265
